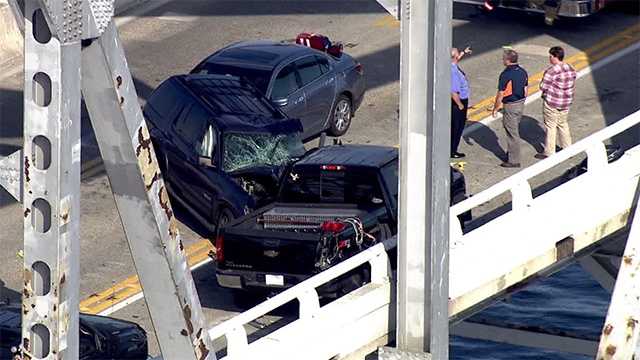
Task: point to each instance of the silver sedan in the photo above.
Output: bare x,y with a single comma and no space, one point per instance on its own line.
321,90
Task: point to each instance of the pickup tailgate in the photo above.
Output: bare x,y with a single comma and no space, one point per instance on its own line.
269,251
282,239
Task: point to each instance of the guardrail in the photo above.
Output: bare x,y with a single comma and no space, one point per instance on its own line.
520,188
234,332
484,261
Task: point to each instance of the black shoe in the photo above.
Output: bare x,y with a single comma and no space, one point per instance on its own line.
457,155
510,165
540,156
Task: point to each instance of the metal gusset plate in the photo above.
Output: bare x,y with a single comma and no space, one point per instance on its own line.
11,174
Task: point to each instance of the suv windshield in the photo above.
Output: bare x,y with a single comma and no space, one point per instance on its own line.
244,150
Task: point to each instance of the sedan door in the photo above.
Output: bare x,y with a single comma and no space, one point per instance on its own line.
288,96
319,86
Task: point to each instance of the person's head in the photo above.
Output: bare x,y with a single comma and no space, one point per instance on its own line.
556,55
509,57
455,55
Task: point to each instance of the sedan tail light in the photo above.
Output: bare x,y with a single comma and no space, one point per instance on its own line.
360,68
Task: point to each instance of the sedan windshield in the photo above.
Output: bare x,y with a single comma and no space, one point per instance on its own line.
259,78
245,150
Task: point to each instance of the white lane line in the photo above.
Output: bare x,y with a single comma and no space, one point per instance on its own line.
584,72
137,11
121,305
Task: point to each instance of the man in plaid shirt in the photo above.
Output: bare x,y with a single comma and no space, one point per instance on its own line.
558,87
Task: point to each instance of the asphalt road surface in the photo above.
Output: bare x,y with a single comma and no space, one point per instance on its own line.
172,38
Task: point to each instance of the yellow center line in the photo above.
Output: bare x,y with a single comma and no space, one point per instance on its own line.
129,287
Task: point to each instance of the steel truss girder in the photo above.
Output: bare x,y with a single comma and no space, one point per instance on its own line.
423,227
522,336
621,331
51,173
142,200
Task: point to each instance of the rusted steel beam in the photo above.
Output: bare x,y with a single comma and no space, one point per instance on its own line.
619,338
142,200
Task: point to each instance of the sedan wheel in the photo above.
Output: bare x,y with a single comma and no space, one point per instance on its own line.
341,116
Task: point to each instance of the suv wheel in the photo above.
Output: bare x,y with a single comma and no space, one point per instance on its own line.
341,116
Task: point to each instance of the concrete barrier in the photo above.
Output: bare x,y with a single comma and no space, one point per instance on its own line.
11,40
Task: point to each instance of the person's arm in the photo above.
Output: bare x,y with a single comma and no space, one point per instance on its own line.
498,103
526,88
456,98
466,51
455,88
502,86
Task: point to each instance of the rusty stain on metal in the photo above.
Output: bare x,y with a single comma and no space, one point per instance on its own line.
628,259
145,155
186,312
26,169
608,329
611,350
201,351
631,323
27,290
163,196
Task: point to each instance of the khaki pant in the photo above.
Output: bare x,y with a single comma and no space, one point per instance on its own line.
555,123
511,121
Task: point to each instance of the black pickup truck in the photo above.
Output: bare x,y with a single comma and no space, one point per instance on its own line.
332,204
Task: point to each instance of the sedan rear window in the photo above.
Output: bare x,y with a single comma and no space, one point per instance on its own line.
259,78
308,69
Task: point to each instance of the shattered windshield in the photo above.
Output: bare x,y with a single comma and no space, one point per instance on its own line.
258,149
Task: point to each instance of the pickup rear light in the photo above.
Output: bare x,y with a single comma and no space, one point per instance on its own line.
332,167
332,226
359,69
219,248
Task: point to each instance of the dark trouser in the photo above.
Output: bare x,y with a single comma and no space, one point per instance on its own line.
511,122
458,120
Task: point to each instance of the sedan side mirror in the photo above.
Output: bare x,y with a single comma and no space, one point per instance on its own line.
281,102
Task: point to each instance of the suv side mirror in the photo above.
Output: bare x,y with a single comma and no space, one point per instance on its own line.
205,161
281,102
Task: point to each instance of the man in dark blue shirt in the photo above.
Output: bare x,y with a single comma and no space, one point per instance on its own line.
512,92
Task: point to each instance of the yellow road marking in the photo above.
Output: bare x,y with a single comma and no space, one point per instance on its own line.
130,287
579,61
199,251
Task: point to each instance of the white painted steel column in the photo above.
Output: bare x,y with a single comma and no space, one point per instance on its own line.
619,338
51,181
423,245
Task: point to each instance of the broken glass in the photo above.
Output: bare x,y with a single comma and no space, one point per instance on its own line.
244,150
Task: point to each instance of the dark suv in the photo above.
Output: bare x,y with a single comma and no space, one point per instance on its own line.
222,146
